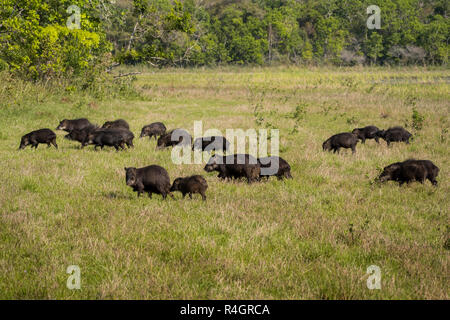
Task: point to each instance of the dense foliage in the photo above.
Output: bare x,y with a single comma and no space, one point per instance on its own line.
36,43
196,32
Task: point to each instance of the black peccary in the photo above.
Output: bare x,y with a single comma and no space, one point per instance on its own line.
151,179
395,134
111,138
190,185
69,125
235,166
34,138
275,166
155,129
127,135
173,138
81,135
369,132
208,144
120,123
410,170
341,140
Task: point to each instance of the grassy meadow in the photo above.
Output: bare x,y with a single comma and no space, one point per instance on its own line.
311,237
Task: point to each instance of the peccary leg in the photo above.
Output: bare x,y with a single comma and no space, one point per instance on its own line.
203,195
150,194
354,149
190,195
54,143
377,139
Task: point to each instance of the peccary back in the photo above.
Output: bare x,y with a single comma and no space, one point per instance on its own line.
151,179
176,137
410,170
369,132
120,123
214,143
275,166
34,138
69,125
395,134
345,140
235,166
155,129
190,185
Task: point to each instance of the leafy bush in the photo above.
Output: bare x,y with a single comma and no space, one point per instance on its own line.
417,120
36,44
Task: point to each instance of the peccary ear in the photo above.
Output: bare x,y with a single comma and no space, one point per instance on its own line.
126,169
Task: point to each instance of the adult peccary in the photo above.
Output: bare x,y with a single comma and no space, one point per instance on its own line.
120,123
410,170
34,138
190,185
155,129
111,137
369,132
341,140
395,134
214,143
69,125
275,166
176,137
235,166
151,179
81,135
87,136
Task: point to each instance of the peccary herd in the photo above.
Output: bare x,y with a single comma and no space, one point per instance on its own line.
401,172
155,179
348,140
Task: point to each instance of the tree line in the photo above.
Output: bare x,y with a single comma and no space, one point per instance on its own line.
36,42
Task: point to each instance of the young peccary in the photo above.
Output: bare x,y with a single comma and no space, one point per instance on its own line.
151,179
235,166
369,132
111,137
341,140
275,166
34,138
116,124
410,170
173,138
69,125
190,185
395,134
155,129
214,143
